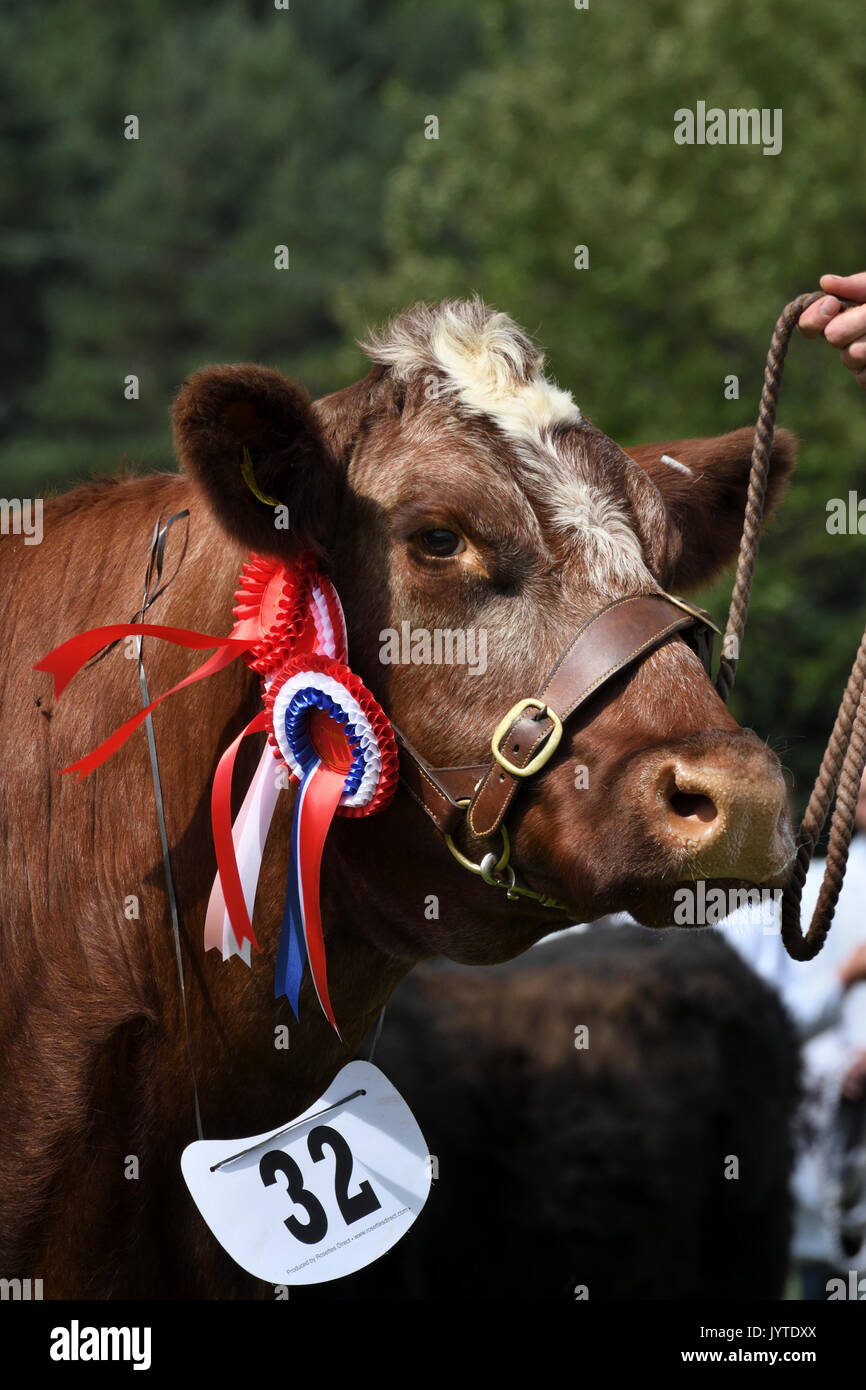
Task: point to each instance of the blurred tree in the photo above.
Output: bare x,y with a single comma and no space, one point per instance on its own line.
151,256
562,136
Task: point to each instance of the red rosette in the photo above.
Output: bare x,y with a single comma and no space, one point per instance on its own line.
335,614
276,597
376,717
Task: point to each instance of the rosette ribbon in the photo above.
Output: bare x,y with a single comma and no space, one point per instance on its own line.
338,744
239,848
323,725
67,660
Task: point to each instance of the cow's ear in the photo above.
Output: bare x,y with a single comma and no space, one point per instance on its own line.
704,483
660,537
247,430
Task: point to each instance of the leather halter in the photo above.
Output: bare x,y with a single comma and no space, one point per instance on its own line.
479,796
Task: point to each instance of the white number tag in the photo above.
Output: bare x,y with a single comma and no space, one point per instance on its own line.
322,1197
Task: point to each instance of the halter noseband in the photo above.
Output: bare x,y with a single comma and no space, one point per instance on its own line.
479,796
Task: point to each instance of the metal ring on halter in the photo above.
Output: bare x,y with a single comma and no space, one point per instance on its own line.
479,868
488,869
515,888
490,866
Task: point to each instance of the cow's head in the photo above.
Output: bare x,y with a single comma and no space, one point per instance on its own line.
455,489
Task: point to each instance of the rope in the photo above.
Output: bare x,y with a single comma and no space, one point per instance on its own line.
845,756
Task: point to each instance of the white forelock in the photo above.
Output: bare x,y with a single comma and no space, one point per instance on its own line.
486,360
595,518
493,368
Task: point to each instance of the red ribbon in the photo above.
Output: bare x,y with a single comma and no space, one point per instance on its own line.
221,821
322,796
67,659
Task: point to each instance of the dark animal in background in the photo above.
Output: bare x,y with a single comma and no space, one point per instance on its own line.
603,1167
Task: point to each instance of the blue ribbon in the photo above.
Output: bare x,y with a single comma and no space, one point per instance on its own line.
292,949
298,739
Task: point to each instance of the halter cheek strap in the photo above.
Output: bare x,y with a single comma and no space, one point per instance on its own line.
480,796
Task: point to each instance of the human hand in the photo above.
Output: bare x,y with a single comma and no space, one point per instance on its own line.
843,328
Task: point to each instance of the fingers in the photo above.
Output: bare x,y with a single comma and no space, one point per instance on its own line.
845,328
846,286
854,1081
854,967
816,318
854,357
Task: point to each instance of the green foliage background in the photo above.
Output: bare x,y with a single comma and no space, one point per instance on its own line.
306,127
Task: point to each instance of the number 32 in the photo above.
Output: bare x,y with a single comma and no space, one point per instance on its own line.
352,1209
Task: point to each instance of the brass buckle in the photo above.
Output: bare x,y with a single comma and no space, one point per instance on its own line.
700,637
550,746
699,614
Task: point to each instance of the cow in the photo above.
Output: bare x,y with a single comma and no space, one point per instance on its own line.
452,487
612,1116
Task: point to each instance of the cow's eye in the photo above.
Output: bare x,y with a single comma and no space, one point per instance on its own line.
441,542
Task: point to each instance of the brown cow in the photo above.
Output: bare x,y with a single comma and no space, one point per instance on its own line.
453,488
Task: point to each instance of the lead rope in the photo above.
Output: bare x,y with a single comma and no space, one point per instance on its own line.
845,755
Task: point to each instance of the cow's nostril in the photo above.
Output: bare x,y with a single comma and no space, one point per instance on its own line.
693,806
723,815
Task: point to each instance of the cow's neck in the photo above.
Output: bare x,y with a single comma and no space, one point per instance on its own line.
258,1080
370,908
379,875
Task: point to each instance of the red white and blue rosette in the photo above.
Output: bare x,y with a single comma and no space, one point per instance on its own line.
291,609
321,711
322,724
338,745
